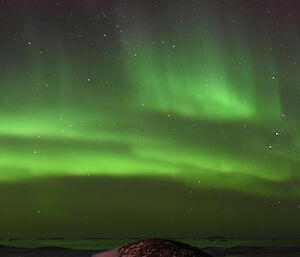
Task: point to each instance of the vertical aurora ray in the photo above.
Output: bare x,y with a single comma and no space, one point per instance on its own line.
193,76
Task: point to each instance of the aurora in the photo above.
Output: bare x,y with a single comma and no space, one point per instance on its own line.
194,98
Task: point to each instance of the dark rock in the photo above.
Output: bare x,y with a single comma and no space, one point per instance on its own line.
159,248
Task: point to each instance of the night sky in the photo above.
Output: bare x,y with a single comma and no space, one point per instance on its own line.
143,118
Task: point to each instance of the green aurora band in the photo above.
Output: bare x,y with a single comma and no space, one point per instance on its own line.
189,110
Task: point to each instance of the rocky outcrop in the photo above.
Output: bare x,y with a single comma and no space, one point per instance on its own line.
159,248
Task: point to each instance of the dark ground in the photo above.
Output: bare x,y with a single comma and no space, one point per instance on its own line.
44,252
214,251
